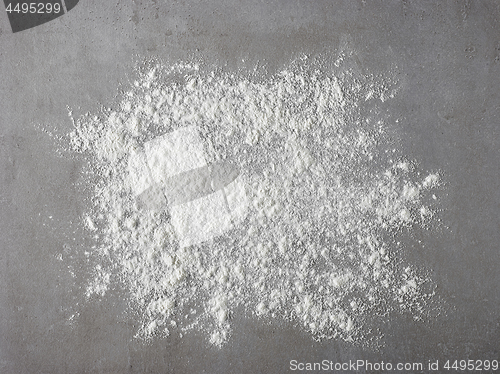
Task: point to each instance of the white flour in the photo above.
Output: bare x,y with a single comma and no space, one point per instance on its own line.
304,233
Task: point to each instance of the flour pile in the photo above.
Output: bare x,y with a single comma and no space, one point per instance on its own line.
324,197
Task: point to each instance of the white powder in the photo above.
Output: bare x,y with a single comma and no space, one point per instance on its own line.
431,180
300,234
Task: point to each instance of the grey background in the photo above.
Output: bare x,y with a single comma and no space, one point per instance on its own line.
448,58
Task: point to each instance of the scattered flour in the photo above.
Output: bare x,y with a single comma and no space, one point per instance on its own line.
304,231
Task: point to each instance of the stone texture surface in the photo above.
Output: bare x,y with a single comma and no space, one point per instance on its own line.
448,58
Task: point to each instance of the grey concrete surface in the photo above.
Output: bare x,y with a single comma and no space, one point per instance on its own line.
447,54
